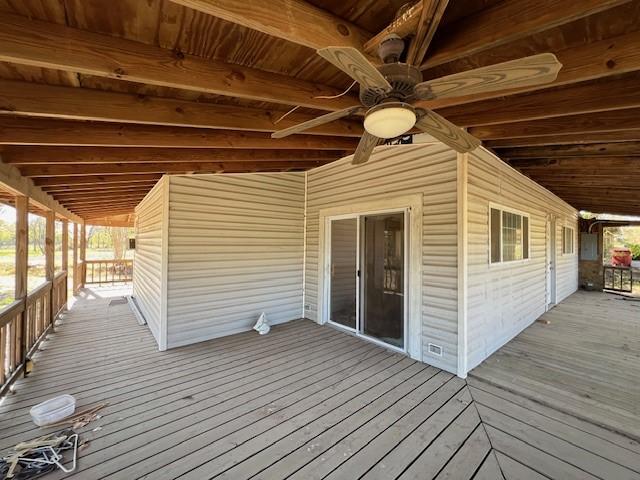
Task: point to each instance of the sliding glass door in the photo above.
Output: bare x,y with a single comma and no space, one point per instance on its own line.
344,272
367,258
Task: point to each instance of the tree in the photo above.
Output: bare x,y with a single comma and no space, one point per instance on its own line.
37,229
119,241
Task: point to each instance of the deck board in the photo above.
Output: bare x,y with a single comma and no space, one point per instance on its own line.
304,402
583,362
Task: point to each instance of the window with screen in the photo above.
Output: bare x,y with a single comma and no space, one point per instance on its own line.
509,236
567,240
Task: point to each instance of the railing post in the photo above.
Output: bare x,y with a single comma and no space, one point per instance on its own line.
22,262
49,246
75,259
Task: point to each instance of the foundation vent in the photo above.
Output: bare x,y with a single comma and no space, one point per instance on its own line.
435,349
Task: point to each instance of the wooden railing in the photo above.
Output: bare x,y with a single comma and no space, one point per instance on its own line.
107,271
617,279
11,345
25,323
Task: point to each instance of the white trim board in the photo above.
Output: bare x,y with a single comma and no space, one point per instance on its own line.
414,291
463,262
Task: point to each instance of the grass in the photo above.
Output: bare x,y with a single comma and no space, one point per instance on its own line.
36,274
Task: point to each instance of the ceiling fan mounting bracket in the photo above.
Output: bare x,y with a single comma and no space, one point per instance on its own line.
391,48
403,79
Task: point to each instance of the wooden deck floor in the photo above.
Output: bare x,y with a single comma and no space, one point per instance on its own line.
304,402
585,361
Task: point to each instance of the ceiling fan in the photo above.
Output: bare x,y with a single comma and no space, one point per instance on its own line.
386,93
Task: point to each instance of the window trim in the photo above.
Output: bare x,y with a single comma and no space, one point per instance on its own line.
502,208
573,242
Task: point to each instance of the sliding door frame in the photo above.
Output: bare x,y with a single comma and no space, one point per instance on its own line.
411,205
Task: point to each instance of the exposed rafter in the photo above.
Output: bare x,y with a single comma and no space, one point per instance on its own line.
173,167
41,44
296,21
91,180
589,97
571,139
507,21
160,156
430,16
611,121
56,132
621,149
591,61
84,104
405,24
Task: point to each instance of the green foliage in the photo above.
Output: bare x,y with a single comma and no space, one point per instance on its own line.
635,250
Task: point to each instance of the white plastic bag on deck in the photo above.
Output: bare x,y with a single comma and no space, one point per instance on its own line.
262,325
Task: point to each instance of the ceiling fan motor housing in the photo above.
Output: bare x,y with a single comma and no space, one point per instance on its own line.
403,79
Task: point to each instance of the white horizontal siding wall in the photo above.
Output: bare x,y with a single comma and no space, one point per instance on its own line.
235,250
504,299
148,272
391,172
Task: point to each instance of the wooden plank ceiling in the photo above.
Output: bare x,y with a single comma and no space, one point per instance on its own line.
99,99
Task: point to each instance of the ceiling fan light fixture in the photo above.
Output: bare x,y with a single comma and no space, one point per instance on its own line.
390,120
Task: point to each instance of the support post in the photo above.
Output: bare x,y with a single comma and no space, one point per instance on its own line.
65,258
75,259
83,254
65,245
49,245
22,262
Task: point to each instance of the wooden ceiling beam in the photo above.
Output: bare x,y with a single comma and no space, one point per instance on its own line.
581,183
63,170
296,21
95,179
30,99
589,97
87,202
572,139
603,202
613,56
579,163
575,175
124,186
15,130
90,191
94,155
111,208
89,195
607,195
623,149
507,21
101,217
138,196
610,121
403,26
432,12
46,45
106,209
102,207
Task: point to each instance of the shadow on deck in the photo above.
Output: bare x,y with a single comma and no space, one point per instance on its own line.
304,402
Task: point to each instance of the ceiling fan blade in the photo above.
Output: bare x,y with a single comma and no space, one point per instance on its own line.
321,120
524,72
366,145
445,131
356,65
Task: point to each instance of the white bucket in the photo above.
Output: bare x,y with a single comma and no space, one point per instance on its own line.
53,410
